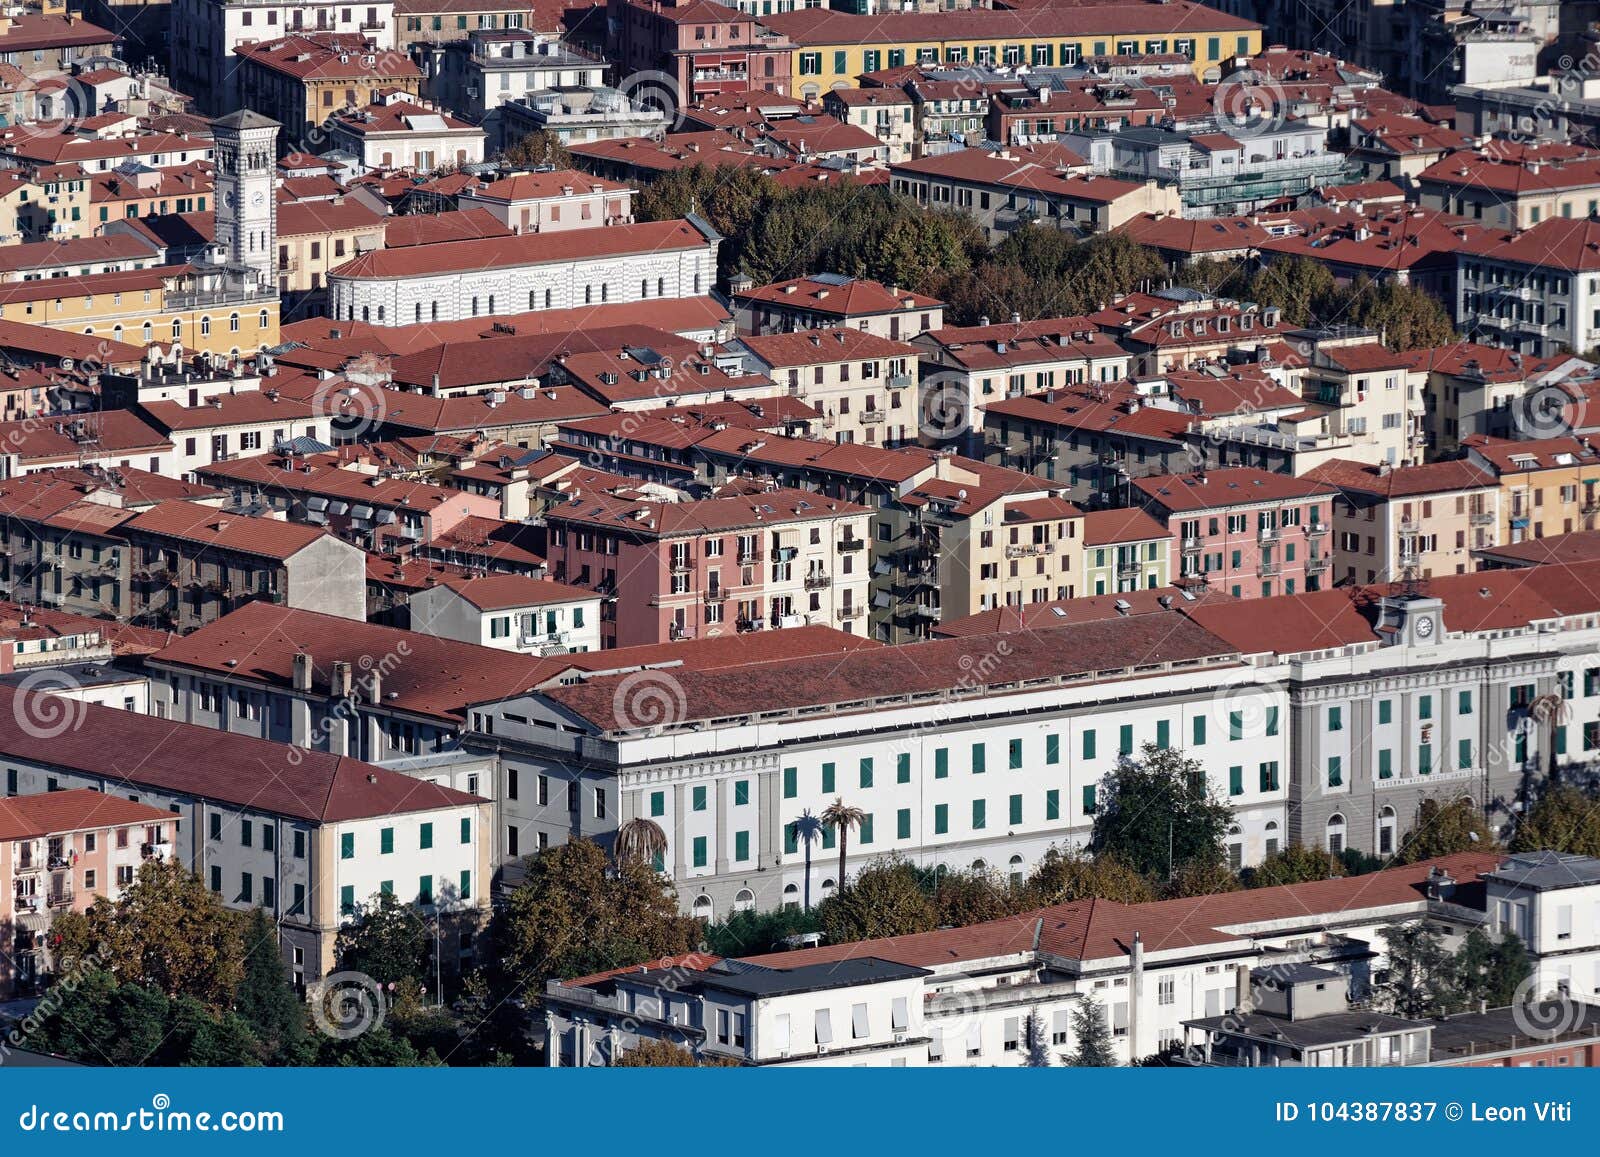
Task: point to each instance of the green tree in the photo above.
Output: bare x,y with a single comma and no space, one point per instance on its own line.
1301,287
389,940
1201,878
266,1000
746,932
1408,318
1443,829
167,931
198,1037
100,1021
571,916
1563,819
1420,980
964,898
1062,877
886,898
1038,1042
1093,1036
1296,864
536,149
640,839
1216,276
1160,811
377,1048
1490,970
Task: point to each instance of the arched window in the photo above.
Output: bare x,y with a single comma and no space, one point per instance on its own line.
1016,871
533,297
116,332
491,305
791,895
366,313
702,907
1387,826
1271,831
644,287
177,329
205,327
419,311
264,320
827,886
474,307
547,299
233,323
435,316
979,866
744,901
380,313
146,331
661,287
1336,833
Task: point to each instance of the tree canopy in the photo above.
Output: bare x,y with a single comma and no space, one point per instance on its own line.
1158,812
1443,829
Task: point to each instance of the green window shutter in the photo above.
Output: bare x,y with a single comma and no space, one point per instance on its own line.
1016,754
866,772
658,804
1425,759
902,824
426,836
1385,710
1385,763
1088,800
386,841
1272,721
1052,804
1125,739
1561,740
864,833
941,763
791,782
1088,744
699,851
1335,771
1425,707
1335,719
466,830
791,839
741,846
827,779
980,814
902,767
1163,734
1464,703
216,880
1464,754
828,838
347,846
978,759
941,819
1016,810
386,887
1199,731
658,862
425,890
741,792
1236,725
1052,749
1236,780
347,896
699,798
466,885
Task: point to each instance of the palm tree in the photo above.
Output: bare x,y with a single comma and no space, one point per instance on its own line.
842,818
1551,710
640,839
807,830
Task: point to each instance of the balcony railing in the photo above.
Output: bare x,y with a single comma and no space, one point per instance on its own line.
1268,534
1319,564
59,899
816,582
870,417
716,594
1191,546
749,557
1316,528
1269,567
852,543
1482,518
1128,569
852,612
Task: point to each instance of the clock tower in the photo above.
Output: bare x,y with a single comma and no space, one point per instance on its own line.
246,145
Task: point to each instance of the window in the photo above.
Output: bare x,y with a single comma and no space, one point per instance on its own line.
1015,816
347,846
1425,707
425,890
941,819
827,779
1088,800
1335,771
1088,744
1464,754
1236,725
658,804
741,846
466,830
866,772
902,824
347,898
1052,749
216,817
1269,775
941,763
1199,731
699,851
791,783
1385,710
978,760
980,814
386,841
698,797
1236,780
1385,763
1125,739
1464,703
1272,721
1336,719
902,767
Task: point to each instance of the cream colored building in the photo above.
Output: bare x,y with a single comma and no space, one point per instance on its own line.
864,385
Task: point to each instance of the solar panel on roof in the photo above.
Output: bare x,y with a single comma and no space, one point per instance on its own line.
831,279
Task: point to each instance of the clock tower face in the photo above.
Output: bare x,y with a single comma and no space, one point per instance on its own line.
246,166
1424,627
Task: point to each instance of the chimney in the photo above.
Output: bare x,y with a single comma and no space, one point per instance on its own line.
1243,1002
1135,993
341,680
375,686
302,671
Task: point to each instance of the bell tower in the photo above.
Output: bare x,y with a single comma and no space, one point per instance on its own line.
245,198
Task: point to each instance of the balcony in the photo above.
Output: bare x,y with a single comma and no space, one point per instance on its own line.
680,566
901,381
851,612
716,594
909,582
1319,564
817,582
156,851
543,639
852,543
676,632
1408,526
1268,534
785,554
1030,549
750,557
745,625
923,611
1269,567
1191,546
1128,569
1485,517
59,898
871,417
1316,529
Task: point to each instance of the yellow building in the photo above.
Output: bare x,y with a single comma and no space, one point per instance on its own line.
1548,486
141,306
833,48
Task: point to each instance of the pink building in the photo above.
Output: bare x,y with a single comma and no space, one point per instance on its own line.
58,852
1247,532
684,570
706,48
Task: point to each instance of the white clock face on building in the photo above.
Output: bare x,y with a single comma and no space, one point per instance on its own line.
229,198
1424,628
259,198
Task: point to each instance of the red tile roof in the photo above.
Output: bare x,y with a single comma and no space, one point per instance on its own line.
1110,527
822,346
1229,486
499,592
433,228
329,57
209,527
80,809
1402,481
1567,243
823,26
857,297
525,249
